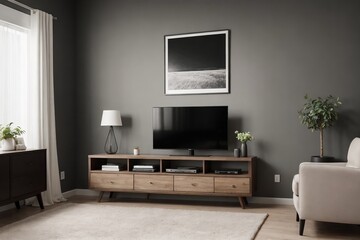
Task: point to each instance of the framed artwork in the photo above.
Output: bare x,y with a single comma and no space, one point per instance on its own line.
197,63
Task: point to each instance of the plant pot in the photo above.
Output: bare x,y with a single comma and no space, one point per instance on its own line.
236,152
322,159
8,144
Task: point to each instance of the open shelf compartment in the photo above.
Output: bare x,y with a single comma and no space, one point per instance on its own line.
226,167
154,162
190,165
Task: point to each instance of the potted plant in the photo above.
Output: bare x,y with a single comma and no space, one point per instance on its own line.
243,137
318,114
7,136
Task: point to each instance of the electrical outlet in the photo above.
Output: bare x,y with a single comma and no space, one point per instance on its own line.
277,178
62,175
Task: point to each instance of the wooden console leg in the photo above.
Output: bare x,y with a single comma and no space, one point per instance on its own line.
100,196
39,198
17,204
246,201
242,202
112,195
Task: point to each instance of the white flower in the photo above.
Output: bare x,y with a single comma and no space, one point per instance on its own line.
243,136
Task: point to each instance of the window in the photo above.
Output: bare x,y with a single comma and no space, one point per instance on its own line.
14,67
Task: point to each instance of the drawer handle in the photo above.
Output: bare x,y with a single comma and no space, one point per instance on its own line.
194,184
151,182
233,186
112,182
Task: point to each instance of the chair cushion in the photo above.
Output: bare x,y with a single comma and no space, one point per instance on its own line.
295,185
353,156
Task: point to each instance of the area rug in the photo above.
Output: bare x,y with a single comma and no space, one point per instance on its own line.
113,221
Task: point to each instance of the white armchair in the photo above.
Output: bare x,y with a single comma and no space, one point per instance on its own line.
329,192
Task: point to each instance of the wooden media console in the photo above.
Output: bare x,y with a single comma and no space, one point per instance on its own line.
204,182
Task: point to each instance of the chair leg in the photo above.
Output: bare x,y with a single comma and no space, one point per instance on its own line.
297,217
301,228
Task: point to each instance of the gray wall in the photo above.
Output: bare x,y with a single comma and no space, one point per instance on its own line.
64,81
280,50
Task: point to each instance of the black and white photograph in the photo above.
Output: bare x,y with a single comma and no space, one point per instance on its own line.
197,63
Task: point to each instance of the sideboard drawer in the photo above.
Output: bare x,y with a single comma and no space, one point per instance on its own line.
22,175
28,172
111,181
149,182
232,185
28,164
4,178
193,184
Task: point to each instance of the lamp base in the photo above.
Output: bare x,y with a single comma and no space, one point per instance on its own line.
111,146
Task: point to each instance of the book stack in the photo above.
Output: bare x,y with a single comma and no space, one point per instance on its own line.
144,168
111,167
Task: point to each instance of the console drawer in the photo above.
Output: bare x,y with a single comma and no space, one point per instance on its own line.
232,185
153,182
111,181
193,184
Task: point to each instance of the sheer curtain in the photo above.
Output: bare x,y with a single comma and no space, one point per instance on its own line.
41,86
14,72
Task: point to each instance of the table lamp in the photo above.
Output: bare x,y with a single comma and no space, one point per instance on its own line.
112,119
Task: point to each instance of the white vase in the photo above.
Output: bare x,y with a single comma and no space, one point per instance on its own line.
8,144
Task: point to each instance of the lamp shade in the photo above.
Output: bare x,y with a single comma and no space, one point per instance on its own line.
111,118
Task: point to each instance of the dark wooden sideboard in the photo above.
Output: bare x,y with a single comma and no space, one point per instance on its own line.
22,175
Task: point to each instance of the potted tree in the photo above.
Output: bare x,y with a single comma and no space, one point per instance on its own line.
318,114
7,136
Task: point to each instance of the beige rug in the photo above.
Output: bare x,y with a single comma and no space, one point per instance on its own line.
113,221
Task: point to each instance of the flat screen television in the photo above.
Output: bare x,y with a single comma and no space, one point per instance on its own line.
190,127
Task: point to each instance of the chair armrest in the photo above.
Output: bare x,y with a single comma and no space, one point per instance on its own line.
329,192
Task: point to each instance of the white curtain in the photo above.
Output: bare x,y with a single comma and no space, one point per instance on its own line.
41,86
14,74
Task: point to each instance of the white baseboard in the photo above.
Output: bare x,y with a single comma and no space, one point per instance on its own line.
89,192
7,207
259,200
80,192
267,200
11,206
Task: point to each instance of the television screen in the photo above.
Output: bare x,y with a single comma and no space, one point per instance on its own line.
190,127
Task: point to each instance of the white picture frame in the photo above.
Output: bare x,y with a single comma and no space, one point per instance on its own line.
197,63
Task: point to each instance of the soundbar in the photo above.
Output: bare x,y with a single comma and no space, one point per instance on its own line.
143,170
183,170
228,171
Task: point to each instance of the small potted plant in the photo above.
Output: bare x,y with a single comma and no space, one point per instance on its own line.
243,137
7,136
318,114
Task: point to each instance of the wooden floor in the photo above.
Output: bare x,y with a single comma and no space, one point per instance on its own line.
280,223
